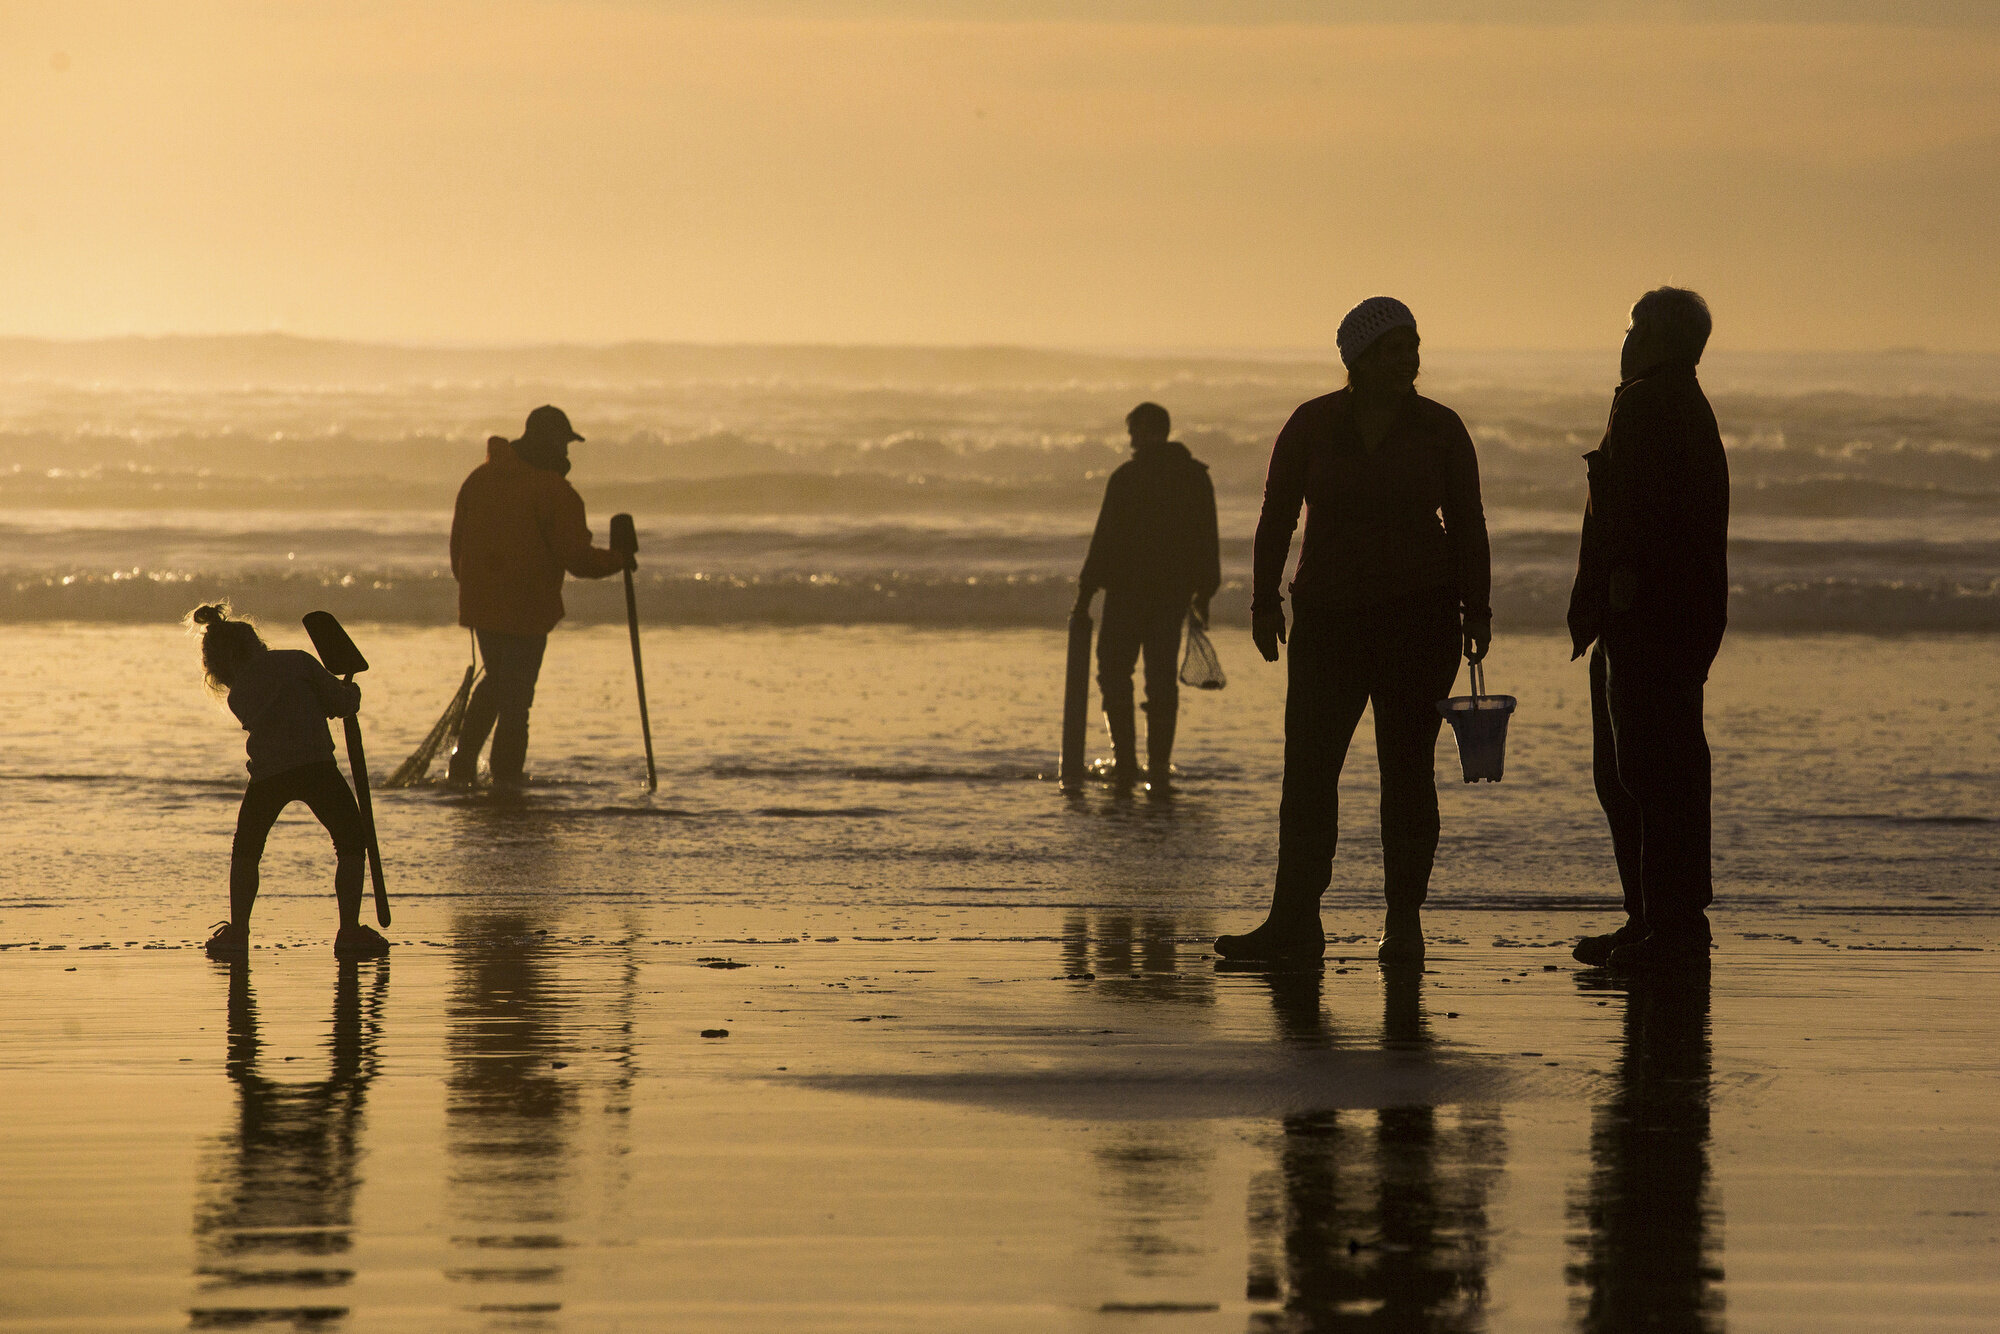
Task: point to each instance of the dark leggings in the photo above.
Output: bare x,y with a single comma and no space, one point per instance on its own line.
499,705
1402,657
1650,758
325,793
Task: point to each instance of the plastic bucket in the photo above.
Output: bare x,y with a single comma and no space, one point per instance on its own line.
1479,721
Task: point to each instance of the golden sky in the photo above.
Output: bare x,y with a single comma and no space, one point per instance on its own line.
1176,174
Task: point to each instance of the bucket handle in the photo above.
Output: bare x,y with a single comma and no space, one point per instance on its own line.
1478,679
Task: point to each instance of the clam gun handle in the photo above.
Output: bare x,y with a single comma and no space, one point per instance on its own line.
338,654
1076,703
625,541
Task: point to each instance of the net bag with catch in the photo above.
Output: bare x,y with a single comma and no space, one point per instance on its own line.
442,736
1200,667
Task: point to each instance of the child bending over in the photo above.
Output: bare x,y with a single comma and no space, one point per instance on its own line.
283,698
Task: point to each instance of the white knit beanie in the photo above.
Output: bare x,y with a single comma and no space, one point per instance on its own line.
1368,322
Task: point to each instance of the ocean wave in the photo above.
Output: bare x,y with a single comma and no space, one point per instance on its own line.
969,494
1525,596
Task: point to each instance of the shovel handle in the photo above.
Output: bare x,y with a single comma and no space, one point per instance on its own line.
357,760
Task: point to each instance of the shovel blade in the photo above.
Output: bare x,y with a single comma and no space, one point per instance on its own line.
336,650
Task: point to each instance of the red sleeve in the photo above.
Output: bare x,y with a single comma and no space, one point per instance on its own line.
568,536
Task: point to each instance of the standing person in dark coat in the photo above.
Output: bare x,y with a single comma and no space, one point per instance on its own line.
1391,586
517,529
1155,551
1652,593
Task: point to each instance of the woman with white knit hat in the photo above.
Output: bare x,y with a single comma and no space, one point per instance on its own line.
1391,586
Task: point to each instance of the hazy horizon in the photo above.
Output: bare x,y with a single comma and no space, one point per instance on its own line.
1010,172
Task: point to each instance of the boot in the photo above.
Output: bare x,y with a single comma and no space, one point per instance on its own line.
1402,938
1124,743
1160,724
481,711
509,759
1595,951
1290,934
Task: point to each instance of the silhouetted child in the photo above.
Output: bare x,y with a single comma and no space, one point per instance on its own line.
283,698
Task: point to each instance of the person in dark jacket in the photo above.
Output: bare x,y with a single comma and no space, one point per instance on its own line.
1652,595
517,529
1391,587
1155,552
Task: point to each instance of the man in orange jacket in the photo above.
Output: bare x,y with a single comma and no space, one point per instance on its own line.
518,527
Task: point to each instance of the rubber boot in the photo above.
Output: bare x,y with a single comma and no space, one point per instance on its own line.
1160,724
1291,933
480,713
1402,937
509,759
1124,744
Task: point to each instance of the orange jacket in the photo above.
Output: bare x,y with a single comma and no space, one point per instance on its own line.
515,531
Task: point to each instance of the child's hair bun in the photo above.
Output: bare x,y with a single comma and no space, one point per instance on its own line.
209,615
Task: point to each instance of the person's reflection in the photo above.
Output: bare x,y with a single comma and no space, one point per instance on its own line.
1650,1227
1372,1219
509,1111
1134,957
276,1217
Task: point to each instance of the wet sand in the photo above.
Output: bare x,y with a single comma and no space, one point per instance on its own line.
981,1071
1068,1120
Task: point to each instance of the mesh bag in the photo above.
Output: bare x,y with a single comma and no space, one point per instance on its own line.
1200,667
442,736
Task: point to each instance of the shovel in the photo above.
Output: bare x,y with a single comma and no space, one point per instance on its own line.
338,654
1076,702
625,541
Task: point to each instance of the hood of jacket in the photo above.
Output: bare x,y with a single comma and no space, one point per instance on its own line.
548,455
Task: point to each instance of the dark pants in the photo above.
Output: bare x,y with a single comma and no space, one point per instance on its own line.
500,704
1649,757
1136,623
326,794
1401,657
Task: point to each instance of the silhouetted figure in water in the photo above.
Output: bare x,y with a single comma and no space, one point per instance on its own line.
1154,552
1652,593
1650,1230
1391,587
275,1228
283,698
518,528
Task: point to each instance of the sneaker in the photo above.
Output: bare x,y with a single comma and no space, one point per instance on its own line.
1595,951
359,942
1271,943
226,942
1659,953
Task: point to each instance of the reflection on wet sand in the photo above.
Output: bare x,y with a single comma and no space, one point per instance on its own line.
1156,1172
510,1115
1651,1228
1372,1219
276,1215
1136,957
